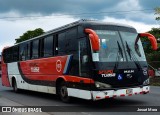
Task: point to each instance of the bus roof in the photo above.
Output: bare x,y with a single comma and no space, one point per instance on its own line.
82,22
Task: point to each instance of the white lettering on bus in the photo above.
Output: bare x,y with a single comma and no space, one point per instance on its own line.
128,71
108,75
34,69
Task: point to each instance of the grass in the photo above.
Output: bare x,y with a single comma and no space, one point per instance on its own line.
155,81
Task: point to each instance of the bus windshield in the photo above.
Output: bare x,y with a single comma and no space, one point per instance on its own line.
112,50
136,51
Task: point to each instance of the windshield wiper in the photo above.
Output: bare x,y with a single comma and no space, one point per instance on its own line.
137,48
120,49
119,52
132,56
129,51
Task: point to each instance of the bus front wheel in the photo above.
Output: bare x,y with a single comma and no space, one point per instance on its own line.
63,93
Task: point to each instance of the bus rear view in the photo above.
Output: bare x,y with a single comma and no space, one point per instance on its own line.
86,59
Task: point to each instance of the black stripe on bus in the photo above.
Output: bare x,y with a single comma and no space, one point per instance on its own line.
35,82
77,85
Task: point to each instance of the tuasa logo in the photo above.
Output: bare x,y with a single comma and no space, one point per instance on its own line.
107,73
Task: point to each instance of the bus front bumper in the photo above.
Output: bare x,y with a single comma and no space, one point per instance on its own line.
97,95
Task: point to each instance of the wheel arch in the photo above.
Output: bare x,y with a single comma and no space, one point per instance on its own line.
58,81
13,78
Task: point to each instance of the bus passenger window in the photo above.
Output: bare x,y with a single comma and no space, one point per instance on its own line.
56,44
61,44
15,53
35,49
8,55
28,51
24,52
48,46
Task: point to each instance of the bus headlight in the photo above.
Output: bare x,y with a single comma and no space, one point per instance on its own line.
146,82
101,85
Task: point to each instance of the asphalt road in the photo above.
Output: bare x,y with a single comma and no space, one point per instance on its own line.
104,107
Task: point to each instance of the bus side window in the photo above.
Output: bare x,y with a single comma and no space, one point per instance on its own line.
67,42
35,49
55,42
22,52
9,55
72,49
28,51
15,53
48,46
6,55
71,41
61,44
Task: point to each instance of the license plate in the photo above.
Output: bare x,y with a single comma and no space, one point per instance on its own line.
129,91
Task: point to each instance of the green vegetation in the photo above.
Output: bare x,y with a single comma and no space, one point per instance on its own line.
153,57
30,34
157,12
150,54
155,81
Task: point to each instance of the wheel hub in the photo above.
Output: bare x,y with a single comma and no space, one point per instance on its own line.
64,91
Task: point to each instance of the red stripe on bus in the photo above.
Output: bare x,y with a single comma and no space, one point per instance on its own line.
106,96
122,95
141,92
45,69
98,97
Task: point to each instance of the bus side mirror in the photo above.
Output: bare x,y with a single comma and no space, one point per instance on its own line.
94,39
151,38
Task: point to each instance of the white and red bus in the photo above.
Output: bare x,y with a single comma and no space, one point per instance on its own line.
86,59
0,67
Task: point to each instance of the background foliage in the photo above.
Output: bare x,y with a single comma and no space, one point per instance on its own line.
30,34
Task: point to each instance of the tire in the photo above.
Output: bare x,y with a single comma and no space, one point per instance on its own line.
63,93
15,89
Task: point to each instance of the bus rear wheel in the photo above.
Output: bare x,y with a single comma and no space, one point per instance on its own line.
15,89
63,93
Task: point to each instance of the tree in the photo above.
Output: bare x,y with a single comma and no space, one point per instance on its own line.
30,34
146,44
157,12
153,57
